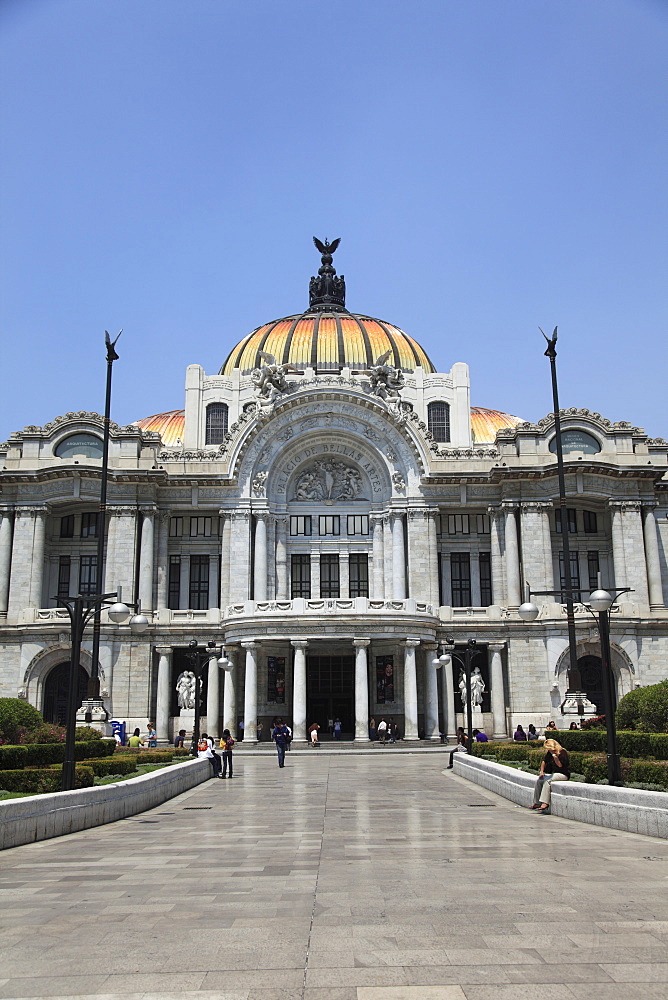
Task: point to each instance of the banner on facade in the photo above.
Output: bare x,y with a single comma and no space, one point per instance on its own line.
384,679
276,680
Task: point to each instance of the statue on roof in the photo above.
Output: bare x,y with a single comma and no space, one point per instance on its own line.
327,290
386,380
269,381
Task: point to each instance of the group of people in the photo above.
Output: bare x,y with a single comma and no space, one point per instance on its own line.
137,740
384,731
220,763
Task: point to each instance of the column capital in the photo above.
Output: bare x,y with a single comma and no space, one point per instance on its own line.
415,512
625,505
163,514
397,513
361,643
432,511
34,511
250,644
496,513
261,515
122,511
648,506
411,643
164,650
536,506
148,510
430,645
280,518
299,643
509,506
496,647
378,519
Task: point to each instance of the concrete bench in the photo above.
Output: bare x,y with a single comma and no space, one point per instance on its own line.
38,817
629,809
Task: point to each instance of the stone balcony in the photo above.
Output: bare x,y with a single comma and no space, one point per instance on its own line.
329,606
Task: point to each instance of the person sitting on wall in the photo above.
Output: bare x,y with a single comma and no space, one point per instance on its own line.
532,734
551,726
519,735
573,725
462,745
555,766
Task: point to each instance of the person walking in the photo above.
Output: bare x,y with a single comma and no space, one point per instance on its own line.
227,744
313,733
381,732
280,737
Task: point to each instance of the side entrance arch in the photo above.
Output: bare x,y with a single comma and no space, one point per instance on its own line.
54,707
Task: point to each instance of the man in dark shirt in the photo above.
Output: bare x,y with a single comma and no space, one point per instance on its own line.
280,735
179,740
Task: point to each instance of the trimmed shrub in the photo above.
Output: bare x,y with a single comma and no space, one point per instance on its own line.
103,766
595,769
17,715
12,758
44,734
83,734
37,781
627,715
578,739
94,748
633,744
513,751
658,745
45,754
155,757
645,709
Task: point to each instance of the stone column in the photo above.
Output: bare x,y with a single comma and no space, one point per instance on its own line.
653,559
496,517
498,696
433,515
230,695
239,557
299,691
162,593
315,574
634,551
260,557
476,599
344,574
6,532
537,561
121,550
282,559
512,557
146,560
448,691
164,692
419,566
431,730
410,690
378,577
361,690
618,561
184,583
225,562
250,692
213,698
398,557
25,587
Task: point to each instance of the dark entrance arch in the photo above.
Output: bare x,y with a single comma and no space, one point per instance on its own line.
55,693
591,674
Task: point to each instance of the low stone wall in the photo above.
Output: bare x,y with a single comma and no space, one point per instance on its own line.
38,817
627,809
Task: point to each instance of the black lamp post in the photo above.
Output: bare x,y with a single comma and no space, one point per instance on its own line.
81,610
197,656
601,602
94,680
574,682
470,652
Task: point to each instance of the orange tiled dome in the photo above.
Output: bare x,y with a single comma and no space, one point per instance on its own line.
327,342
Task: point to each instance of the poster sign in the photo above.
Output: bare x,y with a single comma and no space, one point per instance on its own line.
276,680
384,679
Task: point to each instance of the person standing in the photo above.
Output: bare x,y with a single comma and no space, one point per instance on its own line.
372,729
259,732
280,737
337,729
382,732
227,744
152,736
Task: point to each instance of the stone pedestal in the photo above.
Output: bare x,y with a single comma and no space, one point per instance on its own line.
92,713
576,705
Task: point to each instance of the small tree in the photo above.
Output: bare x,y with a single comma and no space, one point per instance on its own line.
17,715
645,709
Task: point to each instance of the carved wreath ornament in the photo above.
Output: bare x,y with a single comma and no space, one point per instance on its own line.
328,481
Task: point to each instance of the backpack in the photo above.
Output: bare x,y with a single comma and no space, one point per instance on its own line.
203,745
229,743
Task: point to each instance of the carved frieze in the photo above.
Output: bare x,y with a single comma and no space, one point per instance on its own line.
330,481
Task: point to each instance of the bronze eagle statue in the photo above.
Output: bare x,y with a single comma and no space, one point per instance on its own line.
326,247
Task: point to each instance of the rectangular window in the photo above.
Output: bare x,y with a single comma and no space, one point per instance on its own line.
329,576
589,522
301,575
575,575
175,582
358,568
64,565
572,520
593,569
67,526
175,527
329,524
276,680
485,579
87,575
300,525
89,525
358,524
482,524
460,570
200,527
199,583
458,524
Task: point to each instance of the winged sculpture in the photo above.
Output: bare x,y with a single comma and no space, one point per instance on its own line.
551,351
269,380
386,380
326,248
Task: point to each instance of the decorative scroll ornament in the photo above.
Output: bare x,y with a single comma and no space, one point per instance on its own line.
386,380
328,481
269,381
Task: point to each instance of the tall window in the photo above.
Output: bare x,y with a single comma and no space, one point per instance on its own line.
199,583
216,423
200,527
359,574
64,565
589,522
175,527
329,576
460,572
575,575
67,526
300,525
485,579
593,569
175,582
438,421
301,576
87,575
482,524
572,520
459,524
89,525
358,524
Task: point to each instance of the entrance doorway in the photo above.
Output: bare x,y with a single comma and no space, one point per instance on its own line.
591,675
330,693
55,694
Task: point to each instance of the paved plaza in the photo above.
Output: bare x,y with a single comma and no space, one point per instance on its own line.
370,876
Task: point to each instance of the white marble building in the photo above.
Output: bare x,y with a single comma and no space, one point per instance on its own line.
331,523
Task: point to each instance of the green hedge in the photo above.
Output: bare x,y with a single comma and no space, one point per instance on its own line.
15,716
103,766
655,772
645,709
45,754
629,743
37,781
155,757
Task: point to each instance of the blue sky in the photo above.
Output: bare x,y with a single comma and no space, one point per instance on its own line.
490,166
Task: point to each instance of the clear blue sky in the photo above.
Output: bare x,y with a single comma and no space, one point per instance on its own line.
490,166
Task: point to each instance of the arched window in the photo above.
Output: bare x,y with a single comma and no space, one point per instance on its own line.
216,423
438,421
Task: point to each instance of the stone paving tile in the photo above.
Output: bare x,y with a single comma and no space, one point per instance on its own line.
379,881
